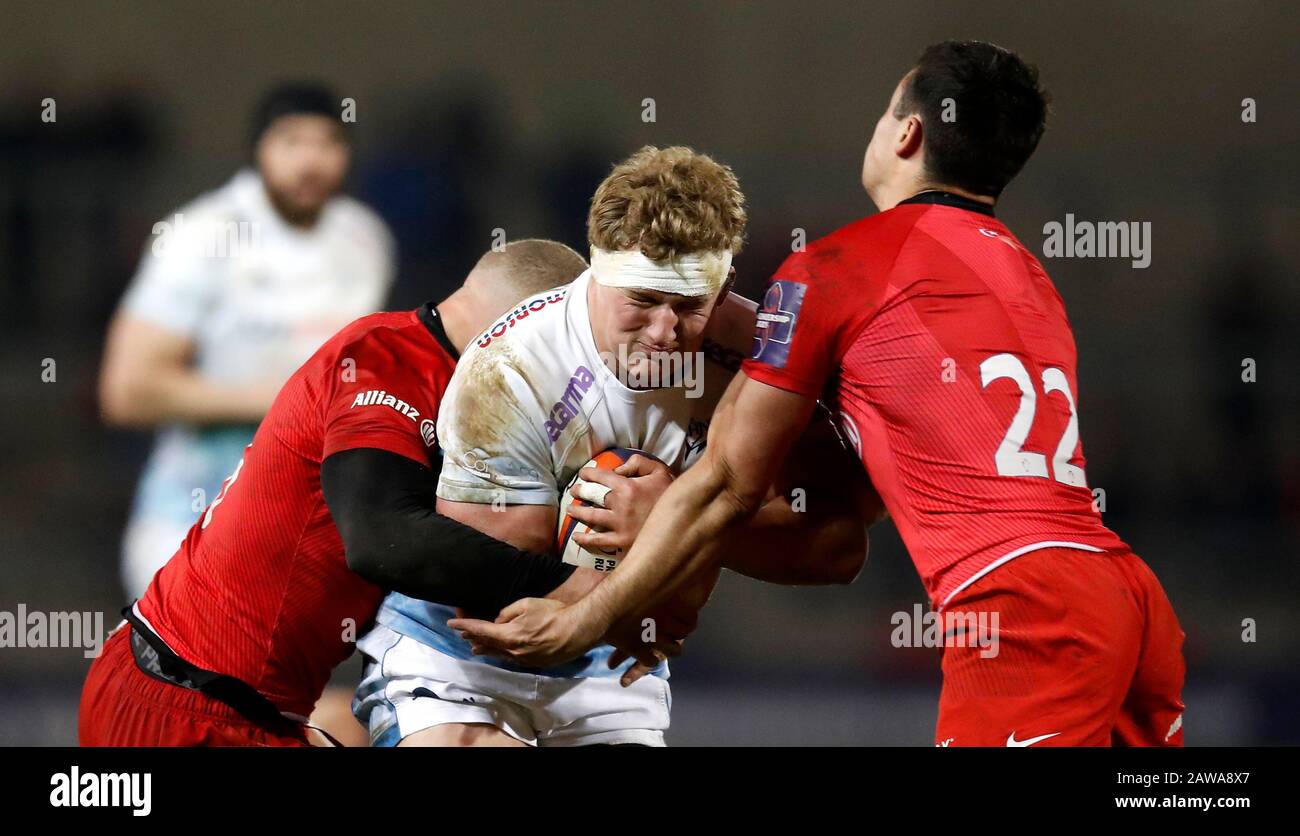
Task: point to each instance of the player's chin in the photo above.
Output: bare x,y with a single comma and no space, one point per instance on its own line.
309,204
307,198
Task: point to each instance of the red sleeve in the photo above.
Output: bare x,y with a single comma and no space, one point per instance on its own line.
797,335
381,395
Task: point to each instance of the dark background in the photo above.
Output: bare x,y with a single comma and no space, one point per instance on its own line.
506,115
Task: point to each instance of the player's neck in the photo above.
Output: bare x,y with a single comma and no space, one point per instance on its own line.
454,321
889,196
917,189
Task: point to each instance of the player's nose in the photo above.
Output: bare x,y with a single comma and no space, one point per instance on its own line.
662,330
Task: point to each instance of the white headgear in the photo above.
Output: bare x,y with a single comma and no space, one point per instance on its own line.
691,274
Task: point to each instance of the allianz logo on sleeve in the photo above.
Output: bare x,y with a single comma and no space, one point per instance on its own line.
379,397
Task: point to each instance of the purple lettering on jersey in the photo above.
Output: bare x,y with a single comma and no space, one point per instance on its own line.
776,320
566,407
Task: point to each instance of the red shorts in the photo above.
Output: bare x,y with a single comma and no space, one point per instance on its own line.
1088,653
122,706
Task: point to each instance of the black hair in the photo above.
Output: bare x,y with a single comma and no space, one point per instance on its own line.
982,113
295,98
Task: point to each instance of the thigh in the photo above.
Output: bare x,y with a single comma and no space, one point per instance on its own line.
585,711
409,689
461,735
333,714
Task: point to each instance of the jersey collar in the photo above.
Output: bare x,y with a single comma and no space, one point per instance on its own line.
950,199
429,316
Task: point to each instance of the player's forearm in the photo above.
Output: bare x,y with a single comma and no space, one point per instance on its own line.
146,398
384,507
580,583
433,558
796,547
700,506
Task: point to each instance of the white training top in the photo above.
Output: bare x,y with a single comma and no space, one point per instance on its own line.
257,296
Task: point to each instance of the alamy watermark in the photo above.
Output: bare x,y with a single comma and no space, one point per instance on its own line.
74,788
34,628
658,369
951,628
1104,239
207,238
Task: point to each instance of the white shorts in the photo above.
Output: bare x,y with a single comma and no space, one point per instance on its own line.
408,686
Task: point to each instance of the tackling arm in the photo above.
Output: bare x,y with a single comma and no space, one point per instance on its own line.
753,429
384,507
813,529
530,527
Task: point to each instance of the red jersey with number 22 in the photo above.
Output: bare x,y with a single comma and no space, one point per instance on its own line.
260,588
946,350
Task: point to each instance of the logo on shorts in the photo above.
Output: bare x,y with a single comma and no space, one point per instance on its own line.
1017,744
776,320
425,692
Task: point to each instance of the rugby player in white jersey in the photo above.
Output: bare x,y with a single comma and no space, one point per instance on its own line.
236,290
614,359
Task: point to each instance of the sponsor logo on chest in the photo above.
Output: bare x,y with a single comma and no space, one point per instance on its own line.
378,397
566,407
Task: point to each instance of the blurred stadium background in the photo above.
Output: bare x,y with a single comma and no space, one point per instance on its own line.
506,115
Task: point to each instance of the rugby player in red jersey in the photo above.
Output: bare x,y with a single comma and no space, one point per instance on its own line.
236,636
946,350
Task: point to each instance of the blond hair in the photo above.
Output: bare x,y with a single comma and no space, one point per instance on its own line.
667,202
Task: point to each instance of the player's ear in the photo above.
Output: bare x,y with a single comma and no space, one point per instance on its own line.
910,140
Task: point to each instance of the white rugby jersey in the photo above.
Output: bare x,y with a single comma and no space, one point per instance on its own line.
530,403
257,296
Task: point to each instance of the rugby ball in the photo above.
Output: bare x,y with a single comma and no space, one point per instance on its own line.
570,551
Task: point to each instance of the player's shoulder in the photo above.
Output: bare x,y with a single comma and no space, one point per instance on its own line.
389,339
229,201
864,248
866,234
196,223
360,222
533,324
206,224
524,362
385,349
387,328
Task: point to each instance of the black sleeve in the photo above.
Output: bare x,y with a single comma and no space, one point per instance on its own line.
384,506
